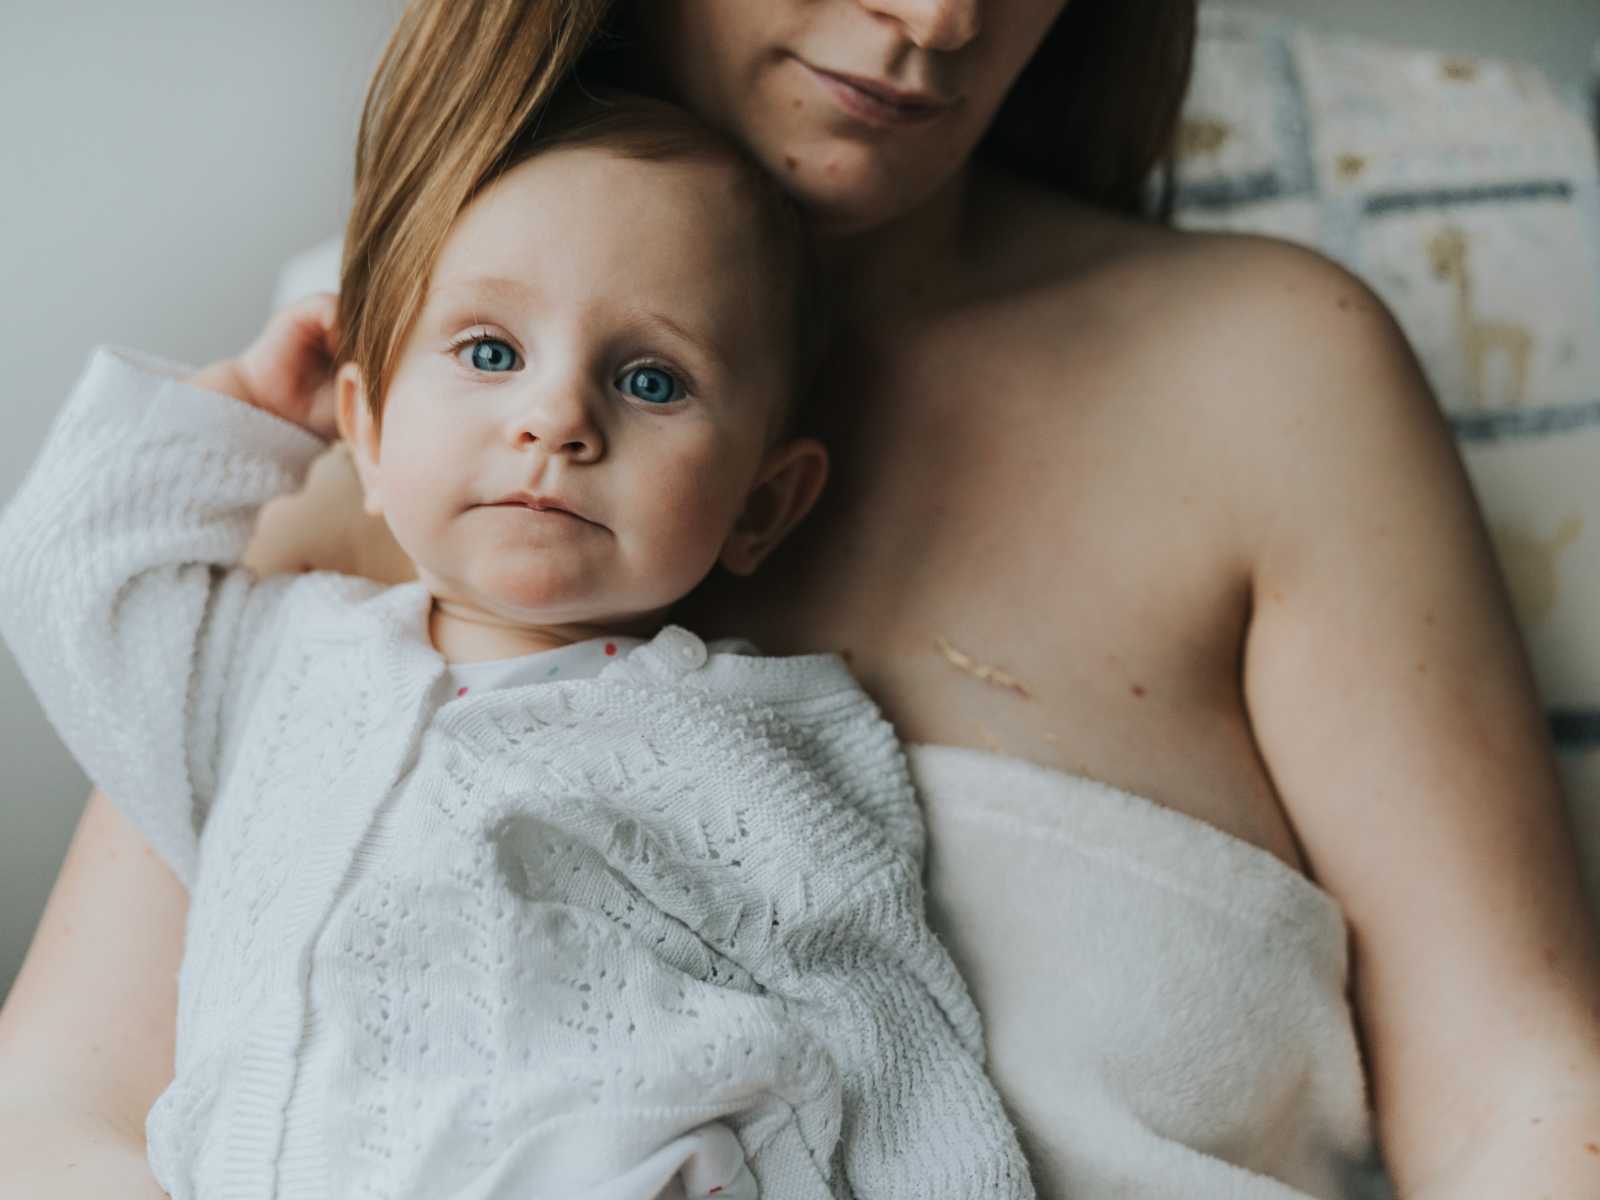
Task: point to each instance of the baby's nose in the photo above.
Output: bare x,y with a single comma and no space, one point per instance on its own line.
560,421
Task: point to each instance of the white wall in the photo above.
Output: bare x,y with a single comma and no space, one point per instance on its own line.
160,158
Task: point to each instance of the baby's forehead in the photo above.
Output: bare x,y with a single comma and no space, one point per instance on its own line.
575,224
686,198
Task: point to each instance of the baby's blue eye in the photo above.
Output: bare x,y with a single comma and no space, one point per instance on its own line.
489,354
652,385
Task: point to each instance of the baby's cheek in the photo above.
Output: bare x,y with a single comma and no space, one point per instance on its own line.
415,494
687,529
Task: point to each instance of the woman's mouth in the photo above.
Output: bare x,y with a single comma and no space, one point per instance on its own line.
875,102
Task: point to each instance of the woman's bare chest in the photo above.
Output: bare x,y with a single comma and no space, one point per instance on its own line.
1012,568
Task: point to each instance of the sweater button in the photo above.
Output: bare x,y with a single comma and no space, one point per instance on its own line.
684,648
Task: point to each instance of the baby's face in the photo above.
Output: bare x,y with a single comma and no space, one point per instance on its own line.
579,413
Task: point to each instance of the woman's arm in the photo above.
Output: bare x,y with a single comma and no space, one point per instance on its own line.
86,1034
1393,705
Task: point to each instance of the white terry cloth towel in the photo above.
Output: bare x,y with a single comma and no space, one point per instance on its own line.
1164,1004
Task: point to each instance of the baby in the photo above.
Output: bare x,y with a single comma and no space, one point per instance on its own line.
502,885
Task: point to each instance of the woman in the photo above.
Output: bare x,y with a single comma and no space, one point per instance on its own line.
1172,512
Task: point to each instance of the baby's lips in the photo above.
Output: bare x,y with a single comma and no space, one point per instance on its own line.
541,503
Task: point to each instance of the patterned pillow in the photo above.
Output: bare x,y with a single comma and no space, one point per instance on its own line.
1466,192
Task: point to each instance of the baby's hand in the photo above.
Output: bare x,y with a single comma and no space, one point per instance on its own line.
289,369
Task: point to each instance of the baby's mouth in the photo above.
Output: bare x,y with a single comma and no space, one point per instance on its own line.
539,504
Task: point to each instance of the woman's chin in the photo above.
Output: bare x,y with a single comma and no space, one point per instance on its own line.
849,207
844,191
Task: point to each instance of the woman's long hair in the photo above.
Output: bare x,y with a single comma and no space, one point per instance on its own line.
460,81
1096,110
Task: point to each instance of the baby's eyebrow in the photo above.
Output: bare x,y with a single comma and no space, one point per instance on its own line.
710,347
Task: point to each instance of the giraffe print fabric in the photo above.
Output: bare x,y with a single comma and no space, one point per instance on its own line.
1463,190
1466,192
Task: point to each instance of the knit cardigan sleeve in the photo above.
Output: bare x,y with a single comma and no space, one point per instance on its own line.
119,593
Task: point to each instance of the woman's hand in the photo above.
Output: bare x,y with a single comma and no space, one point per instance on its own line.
289,370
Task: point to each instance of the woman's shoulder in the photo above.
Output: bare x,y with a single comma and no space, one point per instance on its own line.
1245,319
1057,249
1213,356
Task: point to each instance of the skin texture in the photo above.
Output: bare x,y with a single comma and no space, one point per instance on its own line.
1193,493
82,1060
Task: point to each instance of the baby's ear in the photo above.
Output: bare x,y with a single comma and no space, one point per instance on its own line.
787,485
360,431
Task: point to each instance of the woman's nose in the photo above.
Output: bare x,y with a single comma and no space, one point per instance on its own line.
559,420
933,24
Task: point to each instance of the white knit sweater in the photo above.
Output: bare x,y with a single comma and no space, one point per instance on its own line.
548,929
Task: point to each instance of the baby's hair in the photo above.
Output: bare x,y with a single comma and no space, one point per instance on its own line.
443,119
443,109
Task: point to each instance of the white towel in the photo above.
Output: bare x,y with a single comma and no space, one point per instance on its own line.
1164,1004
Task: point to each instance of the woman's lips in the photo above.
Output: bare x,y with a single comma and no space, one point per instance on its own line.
877,104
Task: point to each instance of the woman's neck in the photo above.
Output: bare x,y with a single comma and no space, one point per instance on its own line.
881,274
